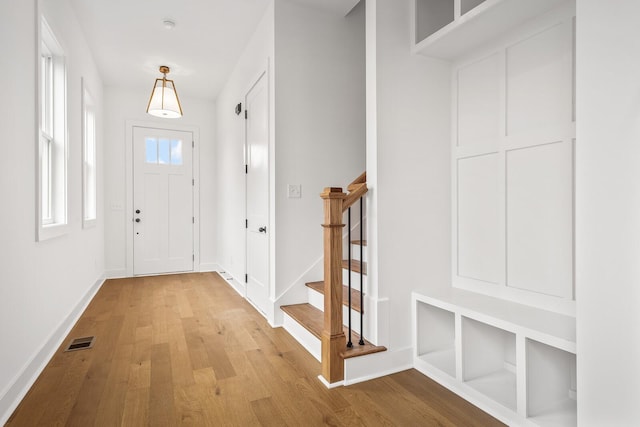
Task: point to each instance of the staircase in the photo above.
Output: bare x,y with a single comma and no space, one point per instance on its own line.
321,324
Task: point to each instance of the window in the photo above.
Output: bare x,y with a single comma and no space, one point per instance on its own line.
89,180
163,151
52,140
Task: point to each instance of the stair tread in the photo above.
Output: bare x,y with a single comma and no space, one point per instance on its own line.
312,320
307,315
355,294
356,266
359,242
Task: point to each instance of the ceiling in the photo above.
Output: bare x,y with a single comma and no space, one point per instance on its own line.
129,39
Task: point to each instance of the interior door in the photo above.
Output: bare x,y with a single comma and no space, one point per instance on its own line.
162,201
257,152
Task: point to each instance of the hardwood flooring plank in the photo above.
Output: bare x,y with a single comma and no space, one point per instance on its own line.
189,411
367,409
293,407
267,413
246,374
136,407
218,358
388,399
161,403
32,406
188,350
95,380
111,406
179,352
183,304
236,408
140,363
441,400
195,344
328,400
140,375
349,417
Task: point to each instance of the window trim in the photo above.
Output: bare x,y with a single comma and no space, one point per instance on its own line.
52,136
89,186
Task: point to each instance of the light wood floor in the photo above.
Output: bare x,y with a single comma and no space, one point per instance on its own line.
188,350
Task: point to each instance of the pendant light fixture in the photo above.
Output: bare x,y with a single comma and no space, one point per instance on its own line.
164,100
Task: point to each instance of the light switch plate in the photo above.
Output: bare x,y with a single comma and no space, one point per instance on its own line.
294,191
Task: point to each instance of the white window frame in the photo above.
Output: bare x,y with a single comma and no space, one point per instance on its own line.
52,143
89,158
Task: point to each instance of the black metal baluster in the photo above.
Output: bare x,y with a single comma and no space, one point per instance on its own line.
361,277
349,343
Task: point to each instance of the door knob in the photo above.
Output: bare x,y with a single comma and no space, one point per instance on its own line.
137,211
137,219
262,229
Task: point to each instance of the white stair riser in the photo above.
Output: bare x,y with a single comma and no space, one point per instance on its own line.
316,299
355,252
304,337
355,280
355,319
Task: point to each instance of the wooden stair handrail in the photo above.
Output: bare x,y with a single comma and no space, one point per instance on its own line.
354,195
333,338
362,179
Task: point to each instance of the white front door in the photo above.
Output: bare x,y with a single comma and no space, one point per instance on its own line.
257,151
162,201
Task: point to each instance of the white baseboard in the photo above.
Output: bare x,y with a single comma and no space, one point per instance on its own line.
236,284
208,266
202,268
364,368
329,385
116,274
22,382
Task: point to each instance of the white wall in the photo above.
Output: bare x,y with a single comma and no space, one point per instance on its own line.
45,285
229,155
316,68
320,125
408,154
608,213
122,105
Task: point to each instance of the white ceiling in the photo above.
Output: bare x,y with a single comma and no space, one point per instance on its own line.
129,41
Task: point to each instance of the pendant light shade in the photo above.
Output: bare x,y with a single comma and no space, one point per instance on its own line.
164,100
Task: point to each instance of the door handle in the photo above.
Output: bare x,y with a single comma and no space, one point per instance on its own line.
262,229
137,211
137,219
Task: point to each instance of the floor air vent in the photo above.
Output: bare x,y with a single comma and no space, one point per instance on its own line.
80,344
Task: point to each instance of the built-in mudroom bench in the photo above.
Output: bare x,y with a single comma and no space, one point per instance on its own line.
514,361
502,334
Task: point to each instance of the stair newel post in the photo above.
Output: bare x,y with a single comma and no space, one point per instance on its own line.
333,338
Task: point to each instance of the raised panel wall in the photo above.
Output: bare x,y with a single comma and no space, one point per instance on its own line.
512,153
539,82
478,213
479,110
539,219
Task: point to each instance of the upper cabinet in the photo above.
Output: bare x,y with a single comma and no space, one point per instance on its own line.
448,29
